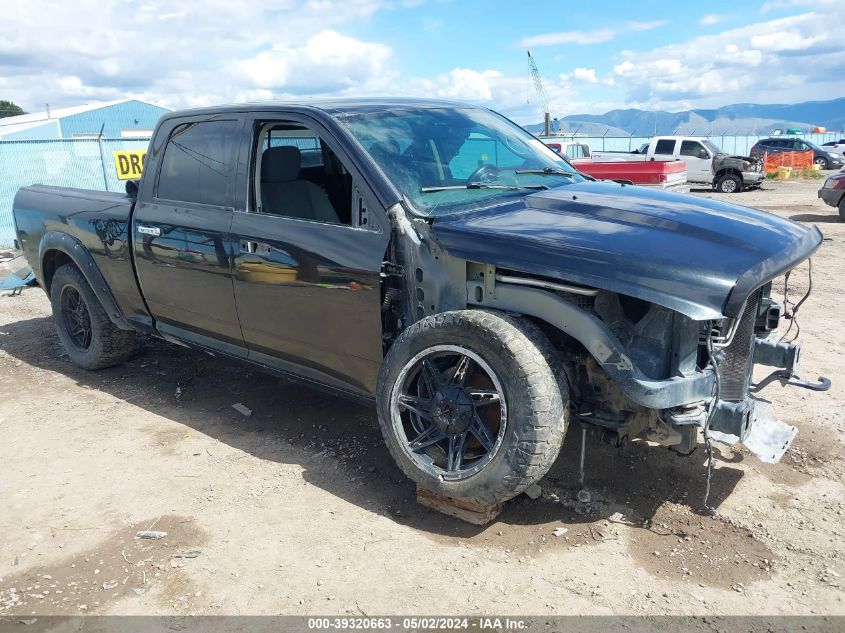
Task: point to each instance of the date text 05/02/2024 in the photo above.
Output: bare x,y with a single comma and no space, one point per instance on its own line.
433,623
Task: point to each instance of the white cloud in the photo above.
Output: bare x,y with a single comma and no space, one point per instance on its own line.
214,51
587,75
740,64
462,84
774,5
327,62
635,25
710,19
596,36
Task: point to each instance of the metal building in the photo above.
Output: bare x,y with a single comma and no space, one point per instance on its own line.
126,118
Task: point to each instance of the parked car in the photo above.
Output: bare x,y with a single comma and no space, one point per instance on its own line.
706,163
436,260
833,192
835,146
824,158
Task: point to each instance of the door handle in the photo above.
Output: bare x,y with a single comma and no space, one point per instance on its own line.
149,230
254,248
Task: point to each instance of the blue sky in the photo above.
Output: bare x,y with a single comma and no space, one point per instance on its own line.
593,57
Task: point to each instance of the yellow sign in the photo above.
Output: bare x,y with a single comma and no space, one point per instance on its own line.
130,163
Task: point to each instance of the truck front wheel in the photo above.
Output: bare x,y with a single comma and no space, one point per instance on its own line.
729,183
472,406
89,337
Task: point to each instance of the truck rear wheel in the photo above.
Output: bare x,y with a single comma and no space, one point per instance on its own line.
89,337
729,183
471,405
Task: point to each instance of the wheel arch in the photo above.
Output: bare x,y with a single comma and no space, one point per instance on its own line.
57,249
733,171
600,342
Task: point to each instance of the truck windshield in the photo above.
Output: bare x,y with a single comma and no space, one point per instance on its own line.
714,149
451,160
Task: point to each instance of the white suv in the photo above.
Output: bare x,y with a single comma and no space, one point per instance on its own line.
835,146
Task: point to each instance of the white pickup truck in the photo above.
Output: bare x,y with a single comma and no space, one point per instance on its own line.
706,163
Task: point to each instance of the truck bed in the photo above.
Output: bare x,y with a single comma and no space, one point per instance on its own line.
98,220
618,157
671,176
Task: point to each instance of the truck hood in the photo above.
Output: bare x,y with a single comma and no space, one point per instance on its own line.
723,160
697,256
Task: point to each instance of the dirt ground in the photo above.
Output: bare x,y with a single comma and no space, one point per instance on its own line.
299,509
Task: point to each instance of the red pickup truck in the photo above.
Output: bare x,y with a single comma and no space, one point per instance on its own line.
660,174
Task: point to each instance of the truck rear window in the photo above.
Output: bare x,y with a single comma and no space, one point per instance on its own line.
665,146
196,166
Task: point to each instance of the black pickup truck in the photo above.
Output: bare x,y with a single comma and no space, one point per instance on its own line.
437,260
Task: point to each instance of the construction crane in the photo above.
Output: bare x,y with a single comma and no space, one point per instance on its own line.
541,95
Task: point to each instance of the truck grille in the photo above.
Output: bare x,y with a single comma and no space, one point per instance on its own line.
736,365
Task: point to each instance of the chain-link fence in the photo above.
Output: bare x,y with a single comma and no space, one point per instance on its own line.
82,163
730,143
89,163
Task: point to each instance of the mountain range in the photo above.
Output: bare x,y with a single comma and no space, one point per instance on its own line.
738,118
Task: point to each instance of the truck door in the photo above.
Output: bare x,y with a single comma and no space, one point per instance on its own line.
309,243
182,232
699,162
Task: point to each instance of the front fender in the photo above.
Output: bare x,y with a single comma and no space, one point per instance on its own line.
600,342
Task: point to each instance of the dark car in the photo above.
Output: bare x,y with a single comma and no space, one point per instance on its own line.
825,159
833,192
437,260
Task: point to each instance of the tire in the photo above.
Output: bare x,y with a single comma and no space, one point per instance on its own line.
506,354
842,209
75,305
822,162
729,183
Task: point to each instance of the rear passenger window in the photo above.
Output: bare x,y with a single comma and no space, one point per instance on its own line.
197,163
665,146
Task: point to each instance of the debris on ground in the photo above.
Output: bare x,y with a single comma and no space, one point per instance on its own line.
150,534
242,409
560,531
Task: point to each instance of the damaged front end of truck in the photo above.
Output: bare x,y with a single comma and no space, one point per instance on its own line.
522,297
659,312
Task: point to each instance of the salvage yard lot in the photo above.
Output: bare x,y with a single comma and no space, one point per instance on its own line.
300,509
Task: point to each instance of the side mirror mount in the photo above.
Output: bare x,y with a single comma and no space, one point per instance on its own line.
703,153
132,188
